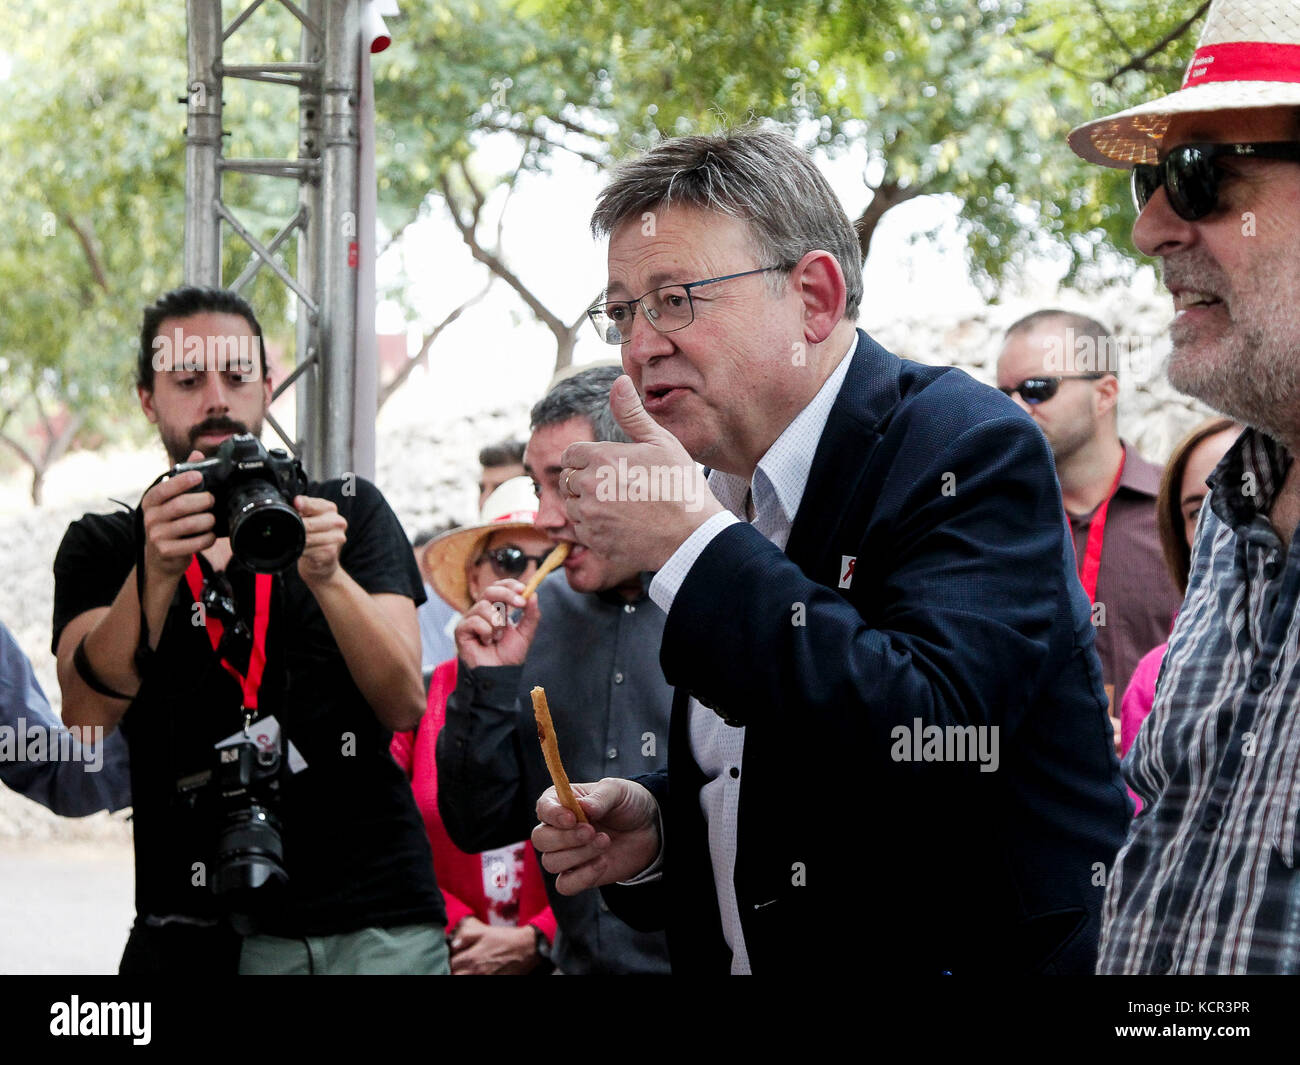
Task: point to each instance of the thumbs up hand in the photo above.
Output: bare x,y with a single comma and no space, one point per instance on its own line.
625,405
634,503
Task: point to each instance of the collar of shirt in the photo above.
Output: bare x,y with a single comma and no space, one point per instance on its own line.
1138,478
782,472
1245,483
1139,475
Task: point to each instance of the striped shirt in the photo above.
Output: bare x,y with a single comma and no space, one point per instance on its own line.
1207,882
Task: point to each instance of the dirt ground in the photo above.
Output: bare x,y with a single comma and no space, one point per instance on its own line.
65,907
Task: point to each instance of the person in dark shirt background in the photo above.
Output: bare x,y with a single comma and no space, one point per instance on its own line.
1062,369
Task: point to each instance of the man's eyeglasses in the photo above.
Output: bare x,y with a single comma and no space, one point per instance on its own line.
1190,175
509,561
667,309
1041,389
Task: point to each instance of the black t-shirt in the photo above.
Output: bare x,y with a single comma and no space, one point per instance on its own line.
355,848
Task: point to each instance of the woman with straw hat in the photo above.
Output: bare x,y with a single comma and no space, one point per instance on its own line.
498,917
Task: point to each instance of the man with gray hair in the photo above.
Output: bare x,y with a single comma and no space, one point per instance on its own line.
888,703
590,637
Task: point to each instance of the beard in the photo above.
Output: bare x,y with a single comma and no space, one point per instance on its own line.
179,445
1249,366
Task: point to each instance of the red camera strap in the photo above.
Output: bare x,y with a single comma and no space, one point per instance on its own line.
261,619
1096,535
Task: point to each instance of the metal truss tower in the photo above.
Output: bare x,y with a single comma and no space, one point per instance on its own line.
325,285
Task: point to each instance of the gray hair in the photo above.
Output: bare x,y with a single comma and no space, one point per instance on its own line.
759,176
584,394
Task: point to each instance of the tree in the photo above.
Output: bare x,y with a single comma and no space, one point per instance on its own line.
963,98
957,97
92,203
949,97
459,71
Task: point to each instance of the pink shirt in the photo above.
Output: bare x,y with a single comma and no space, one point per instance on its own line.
1136,704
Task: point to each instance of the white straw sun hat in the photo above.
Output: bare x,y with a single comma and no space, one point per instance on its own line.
1248,56
512,506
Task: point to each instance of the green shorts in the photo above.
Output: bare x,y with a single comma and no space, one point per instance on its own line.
409,950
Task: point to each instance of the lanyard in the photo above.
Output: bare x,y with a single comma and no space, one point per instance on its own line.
261,618
1096,534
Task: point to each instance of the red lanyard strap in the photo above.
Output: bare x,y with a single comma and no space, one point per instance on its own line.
1096,535
261,619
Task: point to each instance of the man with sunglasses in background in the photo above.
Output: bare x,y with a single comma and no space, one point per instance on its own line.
590,637
1208,881
1061,368
162,630
876,566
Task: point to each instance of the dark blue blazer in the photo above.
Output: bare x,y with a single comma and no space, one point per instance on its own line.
963,610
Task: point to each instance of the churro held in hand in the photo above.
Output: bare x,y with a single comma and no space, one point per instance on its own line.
551,750
553,561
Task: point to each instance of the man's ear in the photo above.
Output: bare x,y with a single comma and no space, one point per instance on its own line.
146,403
820,283
1107,393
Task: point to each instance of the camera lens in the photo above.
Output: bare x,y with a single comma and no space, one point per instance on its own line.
250,863
266,533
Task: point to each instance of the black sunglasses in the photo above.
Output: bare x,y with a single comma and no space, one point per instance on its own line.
509,561
1191,178
1041,389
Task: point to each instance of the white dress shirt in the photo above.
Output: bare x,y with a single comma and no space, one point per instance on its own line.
777,490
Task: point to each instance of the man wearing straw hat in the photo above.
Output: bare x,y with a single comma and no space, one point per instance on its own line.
1207,882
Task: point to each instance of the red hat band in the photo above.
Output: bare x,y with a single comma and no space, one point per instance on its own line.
1244,61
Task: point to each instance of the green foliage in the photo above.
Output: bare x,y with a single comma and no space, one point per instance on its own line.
1079,61
969,98
92,196
90,193
966,98
458,70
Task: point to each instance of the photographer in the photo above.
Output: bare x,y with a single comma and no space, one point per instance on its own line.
160,627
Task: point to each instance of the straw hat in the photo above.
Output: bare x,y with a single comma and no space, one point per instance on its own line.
1248,56
512,506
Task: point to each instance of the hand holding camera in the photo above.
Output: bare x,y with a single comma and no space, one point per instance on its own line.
326,532
247,490
178,521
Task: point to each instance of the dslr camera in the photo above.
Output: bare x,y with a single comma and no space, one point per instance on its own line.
240,797
253,492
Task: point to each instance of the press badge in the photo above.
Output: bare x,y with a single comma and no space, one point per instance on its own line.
266,734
